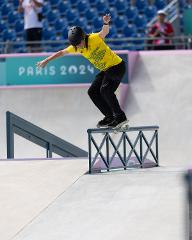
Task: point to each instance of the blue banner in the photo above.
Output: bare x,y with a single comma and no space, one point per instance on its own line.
70,69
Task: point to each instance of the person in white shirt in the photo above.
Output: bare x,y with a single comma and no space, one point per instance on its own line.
32,22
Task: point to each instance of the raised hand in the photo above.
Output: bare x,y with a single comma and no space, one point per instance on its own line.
106,18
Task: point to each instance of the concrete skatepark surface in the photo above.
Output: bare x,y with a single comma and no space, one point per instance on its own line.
160,93
28,187
134,204
65,112
128,205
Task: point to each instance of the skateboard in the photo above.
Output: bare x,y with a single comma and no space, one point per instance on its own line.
121,127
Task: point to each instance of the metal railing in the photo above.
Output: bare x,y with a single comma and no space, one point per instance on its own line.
39,136
128,43
103,152
146,43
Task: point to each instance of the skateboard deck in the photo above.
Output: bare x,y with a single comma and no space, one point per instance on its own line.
121,127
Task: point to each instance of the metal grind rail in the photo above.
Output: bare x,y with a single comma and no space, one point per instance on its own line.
39,136
127,145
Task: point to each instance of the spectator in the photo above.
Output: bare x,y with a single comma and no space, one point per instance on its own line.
162,31
32,22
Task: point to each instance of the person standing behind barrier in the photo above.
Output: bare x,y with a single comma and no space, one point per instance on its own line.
32,22
163,32
112,69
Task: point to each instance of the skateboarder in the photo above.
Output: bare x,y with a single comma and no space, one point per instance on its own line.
111,66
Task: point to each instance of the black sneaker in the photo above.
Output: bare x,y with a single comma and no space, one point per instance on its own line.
104,122
118,121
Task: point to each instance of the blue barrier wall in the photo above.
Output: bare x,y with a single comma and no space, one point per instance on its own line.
71,69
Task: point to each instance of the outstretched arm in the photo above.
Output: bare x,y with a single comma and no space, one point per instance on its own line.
44,62
105,29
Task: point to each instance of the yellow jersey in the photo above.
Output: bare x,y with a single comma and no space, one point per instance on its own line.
98,53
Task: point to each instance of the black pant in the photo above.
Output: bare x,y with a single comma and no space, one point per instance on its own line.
102,90
32,35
